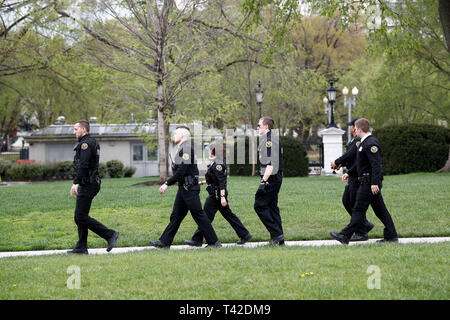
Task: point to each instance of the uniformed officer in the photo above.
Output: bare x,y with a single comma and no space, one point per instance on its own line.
216,178
370,176
271,172
348,160
86,185
185,172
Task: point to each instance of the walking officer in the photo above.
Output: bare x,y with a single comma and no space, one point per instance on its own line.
185,172
370,176
216,178
271,172
348,159
86,185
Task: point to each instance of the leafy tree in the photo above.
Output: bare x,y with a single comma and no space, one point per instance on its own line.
158,42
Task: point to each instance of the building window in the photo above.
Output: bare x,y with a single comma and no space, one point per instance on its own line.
138,153
152,155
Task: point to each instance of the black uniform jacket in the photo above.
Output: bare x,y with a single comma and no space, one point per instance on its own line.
368,160
348,159
184,164
87,154
216,175
270,153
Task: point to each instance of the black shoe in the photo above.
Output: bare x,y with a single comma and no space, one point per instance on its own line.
244,239
278,241
216,244
78,251
112,241
388,240
193,243
340,237
369,226
159,244
360,237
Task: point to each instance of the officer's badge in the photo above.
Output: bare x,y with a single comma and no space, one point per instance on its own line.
374,149
360,149
358,143
84,146
186,156
219,167
269,144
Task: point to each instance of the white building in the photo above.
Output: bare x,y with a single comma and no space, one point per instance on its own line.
125,142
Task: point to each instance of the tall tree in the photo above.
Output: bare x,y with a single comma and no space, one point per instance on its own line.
159,42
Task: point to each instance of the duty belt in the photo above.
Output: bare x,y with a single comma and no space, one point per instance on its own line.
213,191
188,181
365,178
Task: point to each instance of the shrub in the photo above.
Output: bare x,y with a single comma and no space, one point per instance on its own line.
115,168
413,148
295,161
102,170
48,171
129,171
32,171
15,172
64,170
4,166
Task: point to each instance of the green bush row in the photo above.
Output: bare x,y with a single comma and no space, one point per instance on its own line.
413,148
295,160
62,170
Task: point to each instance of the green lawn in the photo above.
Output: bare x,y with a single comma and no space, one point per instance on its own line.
40,216
414,271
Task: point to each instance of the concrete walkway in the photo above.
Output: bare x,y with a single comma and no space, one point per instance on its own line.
308,243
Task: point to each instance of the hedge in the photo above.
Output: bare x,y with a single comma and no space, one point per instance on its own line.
413,148
295,161
62,170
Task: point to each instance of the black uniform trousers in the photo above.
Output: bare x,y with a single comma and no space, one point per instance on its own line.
188,200
82,219
364,198
266,206
211,206
349,197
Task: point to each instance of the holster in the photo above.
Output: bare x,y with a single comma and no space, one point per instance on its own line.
210,189
190,181
365,178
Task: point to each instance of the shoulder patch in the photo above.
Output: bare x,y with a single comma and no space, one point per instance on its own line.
374,149
269,144
358,143
84,146
219,167
186,156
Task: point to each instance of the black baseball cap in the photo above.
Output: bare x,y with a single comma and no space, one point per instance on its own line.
352,123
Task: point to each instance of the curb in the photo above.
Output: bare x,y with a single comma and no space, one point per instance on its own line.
308,243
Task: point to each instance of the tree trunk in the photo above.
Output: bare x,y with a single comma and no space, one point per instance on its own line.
446,167
444,15
162,146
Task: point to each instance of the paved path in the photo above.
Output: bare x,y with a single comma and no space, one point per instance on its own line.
309,243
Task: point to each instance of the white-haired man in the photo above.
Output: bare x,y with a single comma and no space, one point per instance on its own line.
185,172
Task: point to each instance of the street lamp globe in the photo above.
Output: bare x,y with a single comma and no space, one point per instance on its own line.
259,93
325,100
345,91
354,91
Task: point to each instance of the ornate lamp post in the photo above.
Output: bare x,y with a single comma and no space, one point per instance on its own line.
327,108
331,91
350,101
259,94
